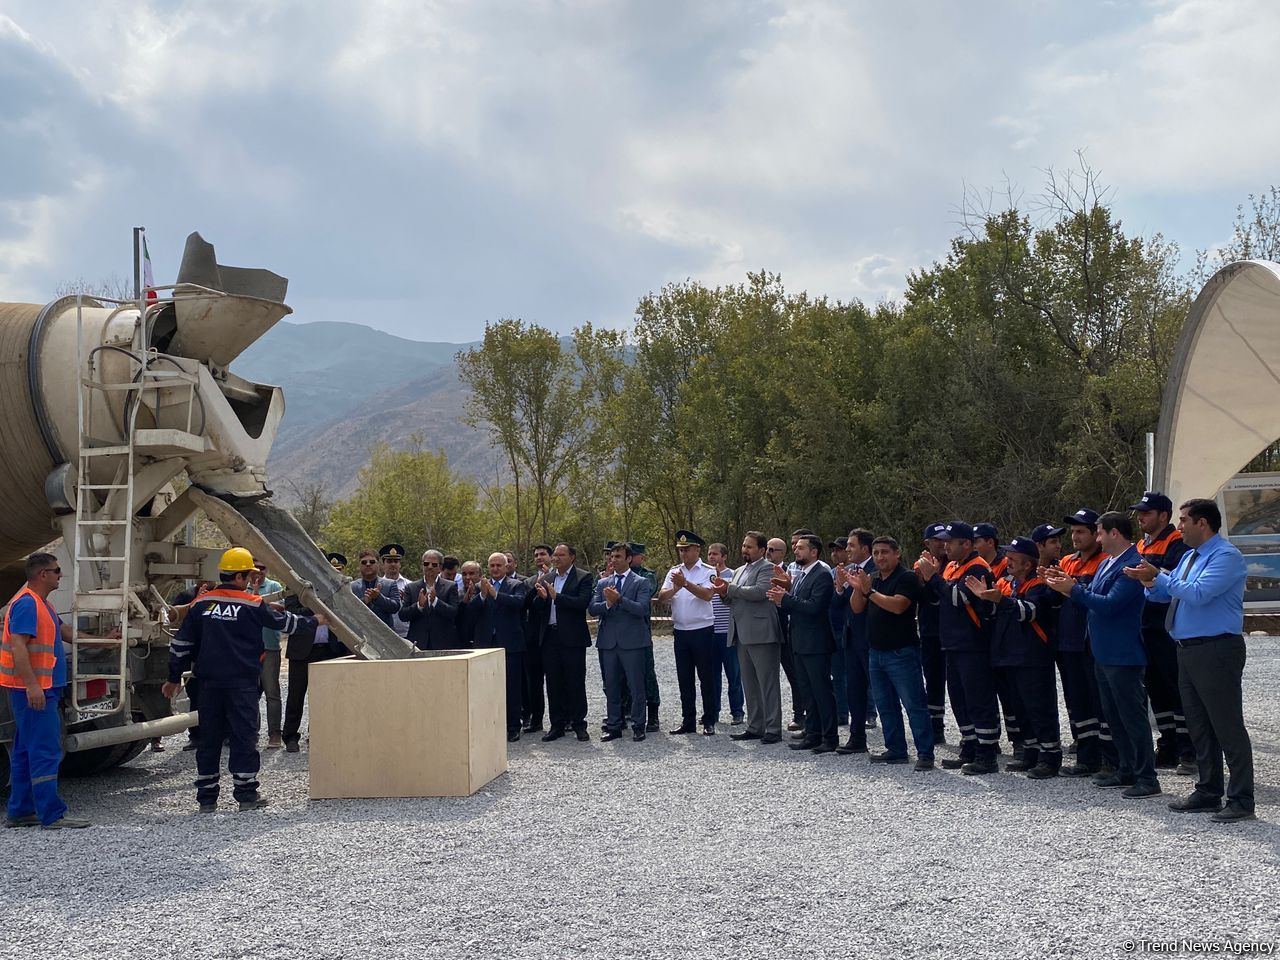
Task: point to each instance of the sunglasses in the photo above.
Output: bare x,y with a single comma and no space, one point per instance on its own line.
430,563
52,570
368,563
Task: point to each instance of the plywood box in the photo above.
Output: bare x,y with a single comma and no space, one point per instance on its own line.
434,726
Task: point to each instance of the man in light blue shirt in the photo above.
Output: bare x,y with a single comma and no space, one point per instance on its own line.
1205,593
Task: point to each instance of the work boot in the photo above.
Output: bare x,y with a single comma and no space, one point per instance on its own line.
1042,771
209,808
1078,770
980,766
66,823
939,730
653,725
274,742
257,803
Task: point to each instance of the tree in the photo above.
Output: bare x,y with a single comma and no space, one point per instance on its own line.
311,504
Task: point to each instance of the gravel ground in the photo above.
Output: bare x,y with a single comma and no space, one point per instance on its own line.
678,846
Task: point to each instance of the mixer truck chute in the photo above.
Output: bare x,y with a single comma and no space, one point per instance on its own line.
108,405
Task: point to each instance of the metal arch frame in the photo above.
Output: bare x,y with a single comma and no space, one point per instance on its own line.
1184,355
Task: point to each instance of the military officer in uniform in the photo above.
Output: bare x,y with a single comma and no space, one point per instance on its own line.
392,558
687,587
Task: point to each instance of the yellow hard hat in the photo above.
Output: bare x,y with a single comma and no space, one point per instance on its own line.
236,560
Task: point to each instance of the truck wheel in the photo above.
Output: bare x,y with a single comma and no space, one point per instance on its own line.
86,763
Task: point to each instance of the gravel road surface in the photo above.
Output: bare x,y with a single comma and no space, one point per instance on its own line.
675,847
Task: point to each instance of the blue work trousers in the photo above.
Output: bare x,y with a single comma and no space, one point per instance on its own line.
228,714
897,683
732,674
37,752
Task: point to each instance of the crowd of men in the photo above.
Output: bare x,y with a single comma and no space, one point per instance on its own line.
1128,629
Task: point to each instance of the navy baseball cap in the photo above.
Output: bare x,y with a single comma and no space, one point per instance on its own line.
1046,530
1025,546
1153,500
955,530
934,531
1084,517
987,531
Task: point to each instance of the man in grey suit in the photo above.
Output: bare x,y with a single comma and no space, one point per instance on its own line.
756,632
621,604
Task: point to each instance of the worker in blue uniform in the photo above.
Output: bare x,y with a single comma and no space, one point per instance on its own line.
1026,610
964,627
33,674
222,636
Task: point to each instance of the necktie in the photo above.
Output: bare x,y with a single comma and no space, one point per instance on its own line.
1173,603
617,583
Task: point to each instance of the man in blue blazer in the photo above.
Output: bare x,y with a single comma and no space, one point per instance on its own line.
621,604
501,625
1114,604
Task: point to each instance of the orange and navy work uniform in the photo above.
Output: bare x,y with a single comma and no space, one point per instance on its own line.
964,620
1024,622
1073,619
221,636
1164,552
30,616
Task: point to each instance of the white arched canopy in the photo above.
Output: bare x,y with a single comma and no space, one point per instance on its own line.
1222,401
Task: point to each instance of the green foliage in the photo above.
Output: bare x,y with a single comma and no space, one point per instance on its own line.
409,496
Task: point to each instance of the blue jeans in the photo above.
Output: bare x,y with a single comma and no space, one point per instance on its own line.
37,752
897,678
732,673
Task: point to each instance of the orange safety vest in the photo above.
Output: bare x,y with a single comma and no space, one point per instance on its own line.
1000,567
43,652
955,571
1160,546
1077,566
1005,586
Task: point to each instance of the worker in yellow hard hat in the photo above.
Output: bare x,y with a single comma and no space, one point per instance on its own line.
222,636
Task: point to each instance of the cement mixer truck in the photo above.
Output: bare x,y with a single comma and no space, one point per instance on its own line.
122,419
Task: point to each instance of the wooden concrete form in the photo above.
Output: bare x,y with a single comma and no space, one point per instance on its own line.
433,726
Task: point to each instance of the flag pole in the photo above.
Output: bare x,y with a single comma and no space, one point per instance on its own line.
137,263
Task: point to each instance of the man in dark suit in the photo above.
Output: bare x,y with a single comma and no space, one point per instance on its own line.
430,607
305,646
501,625
470,605
807,603
535,622
561,598
1114,603
621,604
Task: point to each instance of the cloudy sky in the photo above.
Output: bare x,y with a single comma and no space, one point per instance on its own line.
427,166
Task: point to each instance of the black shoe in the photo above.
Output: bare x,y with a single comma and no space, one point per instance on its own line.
795,725
745,735
871,723
1042,771
257,803
683,729
610,735
771,738
849,747
188,746
30,820
291,746
1112,781
1019,765
653,726
738,720
708,729
824,748
953,763
637,735
1232,812
888,757
583,735
1078,770
533,727
208,808
1185,769
803,744
550,735
977,768
800,735
939,732
513,737
1166,761
1197,803
1137,792
924,763
70,823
